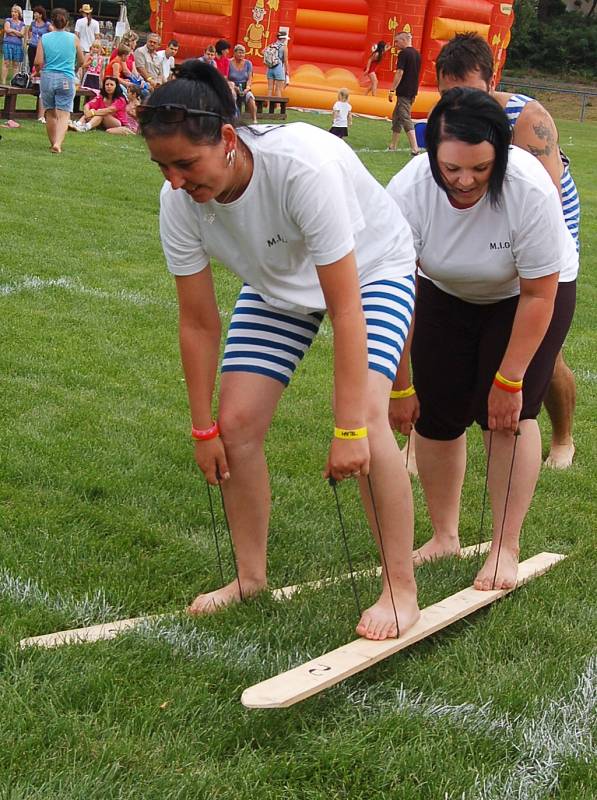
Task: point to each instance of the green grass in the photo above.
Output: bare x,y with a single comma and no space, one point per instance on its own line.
100,502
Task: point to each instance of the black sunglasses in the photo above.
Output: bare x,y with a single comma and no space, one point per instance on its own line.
170,113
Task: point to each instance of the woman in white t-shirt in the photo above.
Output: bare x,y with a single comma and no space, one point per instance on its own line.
495,298
282,207
342,112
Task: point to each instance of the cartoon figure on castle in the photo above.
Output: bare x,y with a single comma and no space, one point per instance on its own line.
256,31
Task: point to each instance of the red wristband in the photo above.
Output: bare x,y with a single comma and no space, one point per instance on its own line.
208,433
505,388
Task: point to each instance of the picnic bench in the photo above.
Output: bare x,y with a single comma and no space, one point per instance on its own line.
10,94
269,109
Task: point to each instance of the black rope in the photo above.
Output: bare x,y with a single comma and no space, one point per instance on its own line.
240,589
333,484
383,553
215,530
484,505
497,561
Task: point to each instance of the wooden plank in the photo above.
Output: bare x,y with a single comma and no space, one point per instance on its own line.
297,684
110,630
286,592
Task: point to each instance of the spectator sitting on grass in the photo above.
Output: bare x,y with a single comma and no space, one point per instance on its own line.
108,110
131,126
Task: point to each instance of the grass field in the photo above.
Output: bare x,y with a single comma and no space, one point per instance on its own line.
103,516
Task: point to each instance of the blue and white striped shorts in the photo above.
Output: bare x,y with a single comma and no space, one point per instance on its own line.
271,342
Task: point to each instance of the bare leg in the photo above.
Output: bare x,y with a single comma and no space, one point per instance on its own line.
441,471
4,70
61,126
247,405
394,506
109,122
51,125
394,141
270,87
560,403
374,83
412,140
252,109
527,462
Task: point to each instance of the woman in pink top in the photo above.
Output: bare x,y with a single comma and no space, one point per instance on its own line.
108,110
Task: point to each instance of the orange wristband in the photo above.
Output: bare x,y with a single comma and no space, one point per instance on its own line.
209,433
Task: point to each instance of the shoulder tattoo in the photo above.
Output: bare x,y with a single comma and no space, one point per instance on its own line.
544,132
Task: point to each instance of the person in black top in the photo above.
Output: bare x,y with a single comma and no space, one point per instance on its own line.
406,86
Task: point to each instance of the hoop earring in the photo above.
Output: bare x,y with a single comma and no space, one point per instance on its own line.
231,157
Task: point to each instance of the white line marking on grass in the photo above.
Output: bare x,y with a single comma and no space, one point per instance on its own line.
32,283
562,730
83,611
195,643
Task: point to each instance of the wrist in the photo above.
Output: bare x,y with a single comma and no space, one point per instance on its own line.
401,394
205,434
350,434
505,384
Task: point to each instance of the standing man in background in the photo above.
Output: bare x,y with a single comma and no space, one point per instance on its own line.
87,28
406,86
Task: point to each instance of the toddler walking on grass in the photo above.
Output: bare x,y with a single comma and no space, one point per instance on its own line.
342,112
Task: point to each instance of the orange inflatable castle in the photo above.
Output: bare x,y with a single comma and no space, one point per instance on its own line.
331,40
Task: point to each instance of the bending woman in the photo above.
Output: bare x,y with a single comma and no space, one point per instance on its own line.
373,63
282,208
490,315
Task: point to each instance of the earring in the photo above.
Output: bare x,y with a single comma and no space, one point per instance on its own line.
231,157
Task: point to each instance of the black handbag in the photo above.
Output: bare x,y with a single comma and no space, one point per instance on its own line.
21,80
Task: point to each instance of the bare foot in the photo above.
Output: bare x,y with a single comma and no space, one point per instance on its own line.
410,458
55,149
225,596
560,456
379,621
507,570
436,548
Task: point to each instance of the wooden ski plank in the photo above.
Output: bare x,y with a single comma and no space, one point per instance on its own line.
297,684
110,630
286,592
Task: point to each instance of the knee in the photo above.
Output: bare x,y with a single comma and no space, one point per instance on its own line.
240,427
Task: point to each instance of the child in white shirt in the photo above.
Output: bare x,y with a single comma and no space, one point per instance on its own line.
342,112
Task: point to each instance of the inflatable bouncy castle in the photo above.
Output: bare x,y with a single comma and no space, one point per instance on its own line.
331,40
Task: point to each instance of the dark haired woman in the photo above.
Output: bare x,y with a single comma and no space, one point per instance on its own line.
283,209
373,63
58,54
490,316
108,110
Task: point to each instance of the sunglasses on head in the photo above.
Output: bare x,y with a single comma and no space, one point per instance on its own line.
170,113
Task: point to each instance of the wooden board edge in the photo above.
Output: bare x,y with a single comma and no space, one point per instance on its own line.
362,653
110,630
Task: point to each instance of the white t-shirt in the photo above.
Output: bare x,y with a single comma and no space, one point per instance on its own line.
479,253
168,64
343,108
87,33
310,201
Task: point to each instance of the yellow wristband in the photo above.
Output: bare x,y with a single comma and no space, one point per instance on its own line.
513,384
400,394
357,433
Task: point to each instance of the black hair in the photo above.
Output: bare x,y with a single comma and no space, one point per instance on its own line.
221,45
380,49
200,87
471,116
173,43
117,91
466,52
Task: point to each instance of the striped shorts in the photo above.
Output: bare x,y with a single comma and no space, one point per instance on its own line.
271,342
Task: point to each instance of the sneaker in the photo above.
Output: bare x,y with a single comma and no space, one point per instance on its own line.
42,120
73,126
